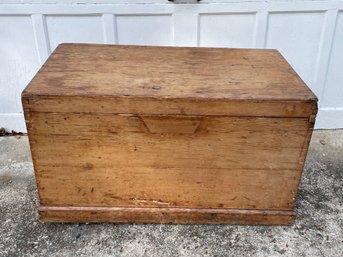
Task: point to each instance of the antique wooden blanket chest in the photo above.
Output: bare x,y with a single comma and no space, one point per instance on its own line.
168,135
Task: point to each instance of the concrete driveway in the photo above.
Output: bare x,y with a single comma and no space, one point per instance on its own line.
318,230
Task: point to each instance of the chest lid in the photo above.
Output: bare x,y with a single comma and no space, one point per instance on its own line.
168,81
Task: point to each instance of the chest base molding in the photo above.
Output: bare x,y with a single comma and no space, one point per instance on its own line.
165,215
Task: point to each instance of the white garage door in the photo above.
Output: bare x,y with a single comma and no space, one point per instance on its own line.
308,33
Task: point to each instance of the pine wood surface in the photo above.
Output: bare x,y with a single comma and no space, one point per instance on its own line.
227,162
169,72
166,215
168,135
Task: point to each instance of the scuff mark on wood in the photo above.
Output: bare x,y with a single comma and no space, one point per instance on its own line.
135,200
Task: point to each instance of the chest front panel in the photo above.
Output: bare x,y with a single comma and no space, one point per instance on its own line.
171,161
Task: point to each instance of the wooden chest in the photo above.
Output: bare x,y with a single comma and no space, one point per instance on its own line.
168,135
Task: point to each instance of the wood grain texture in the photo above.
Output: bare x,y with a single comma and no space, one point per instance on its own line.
171,124
142,134
165,215
148,106
136,73
169,72
114,160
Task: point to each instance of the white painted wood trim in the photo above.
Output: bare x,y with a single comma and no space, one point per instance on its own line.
324,53
329,118
109,28
13,121
303,6
261,25
41,36
186,29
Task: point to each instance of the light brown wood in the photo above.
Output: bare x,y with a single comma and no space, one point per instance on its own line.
139,131
149,106
165,215
171,124
168,72
170,80
229,162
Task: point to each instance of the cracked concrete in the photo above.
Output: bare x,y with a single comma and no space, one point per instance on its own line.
318,230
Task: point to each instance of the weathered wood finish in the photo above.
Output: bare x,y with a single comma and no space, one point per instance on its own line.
164,141
151,106
165,215
169,72
228,162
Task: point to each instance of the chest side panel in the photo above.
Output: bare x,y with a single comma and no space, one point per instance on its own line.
119,160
